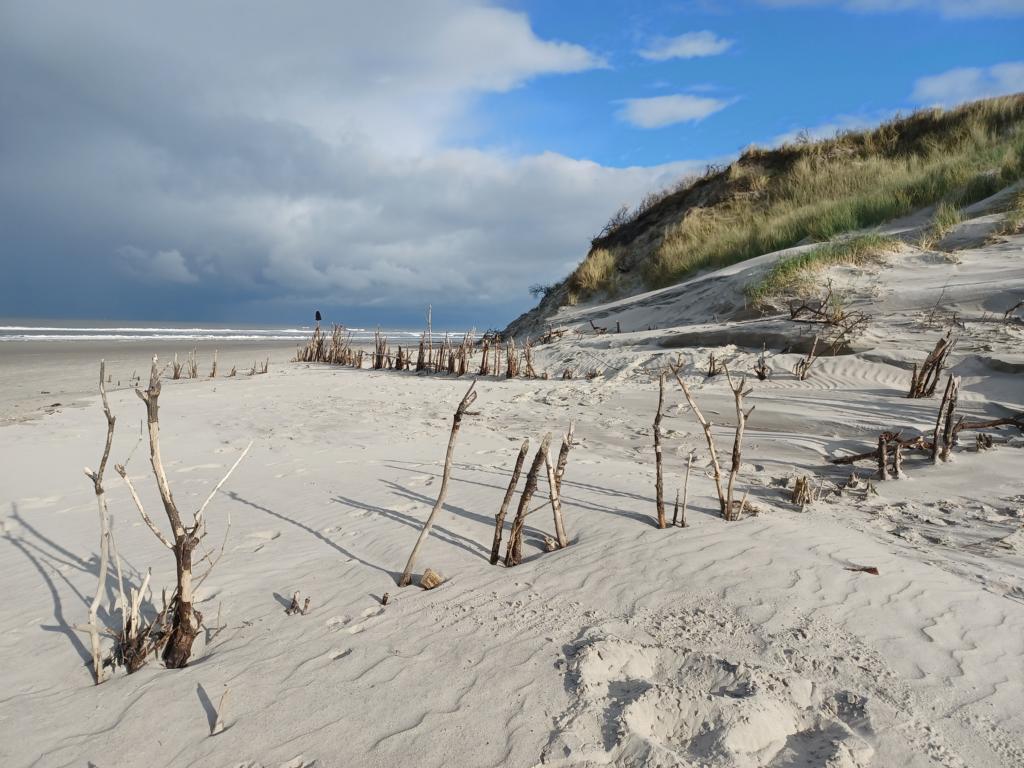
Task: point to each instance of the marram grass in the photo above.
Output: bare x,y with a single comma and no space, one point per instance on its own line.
801,273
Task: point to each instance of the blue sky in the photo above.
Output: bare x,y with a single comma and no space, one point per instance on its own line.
187,161
787,68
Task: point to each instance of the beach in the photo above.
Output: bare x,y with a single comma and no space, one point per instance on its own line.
881,624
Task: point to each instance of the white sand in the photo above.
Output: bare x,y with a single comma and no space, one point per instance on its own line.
723,644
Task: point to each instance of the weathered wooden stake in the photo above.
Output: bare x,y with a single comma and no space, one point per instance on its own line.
938,420
101,503
948,432
556,503
499,520
739,393
686,488
514,550
462,410
659,489
706,425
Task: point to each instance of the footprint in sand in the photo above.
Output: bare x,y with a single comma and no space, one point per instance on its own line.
262,539
337,622
366,615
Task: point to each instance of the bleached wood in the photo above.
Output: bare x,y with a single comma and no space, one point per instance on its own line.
739,391
123,472
659,486
510,492
706,426
101,504
514,551
556,502
199,512
462,410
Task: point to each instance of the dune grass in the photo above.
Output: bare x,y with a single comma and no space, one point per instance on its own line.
799,274
768,200
1013,224
945,217
595,273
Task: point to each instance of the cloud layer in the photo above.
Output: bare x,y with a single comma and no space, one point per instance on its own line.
966,83
280,157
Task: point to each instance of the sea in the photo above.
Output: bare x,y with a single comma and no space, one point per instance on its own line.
21,330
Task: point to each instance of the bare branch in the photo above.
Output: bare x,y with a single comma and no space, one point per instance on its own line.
199,513
467,400
142,511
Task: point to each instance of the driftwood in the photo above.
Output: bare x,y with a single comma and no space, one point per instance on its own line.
659,487
715,366
915,443
706,426
499,520
514,550
803,366
1009,312
105,537
552,334
739,391
184,621
923,380
948,396
296,609
563,455
761,369
679,513
556,503
462,410
802,492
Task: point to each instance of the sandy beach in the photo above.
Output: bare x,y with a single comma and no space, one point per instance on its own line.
757,642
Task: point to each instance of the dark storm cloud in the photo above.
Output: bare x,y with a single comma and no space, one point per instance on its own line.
199,159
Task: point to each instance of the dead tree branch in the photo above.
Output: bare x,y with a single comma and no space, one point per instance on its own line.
462,410
514,550
101,503
706,426
499,520
659,487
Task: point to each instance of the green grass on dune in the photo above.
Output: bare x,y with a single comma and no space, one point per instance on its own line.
773,199
800,274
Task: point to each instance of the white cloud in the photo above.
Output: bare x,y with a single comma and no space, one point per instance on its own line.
967,83
159,267
946,8
289,153
659,111
690,45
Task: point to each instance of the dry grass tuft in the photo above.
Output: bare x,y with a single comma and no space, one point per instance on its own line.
799,275
595,273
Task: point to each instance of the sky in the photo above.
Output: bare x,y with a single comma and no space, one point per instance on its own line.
254,161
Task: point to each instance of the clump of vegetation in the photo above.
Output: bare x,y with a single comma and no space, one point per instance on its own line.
946,217
595,273
768,200
1013,224
797,275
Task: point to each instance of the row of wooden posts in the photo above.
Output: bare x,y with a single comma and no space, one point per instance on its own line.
454,357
